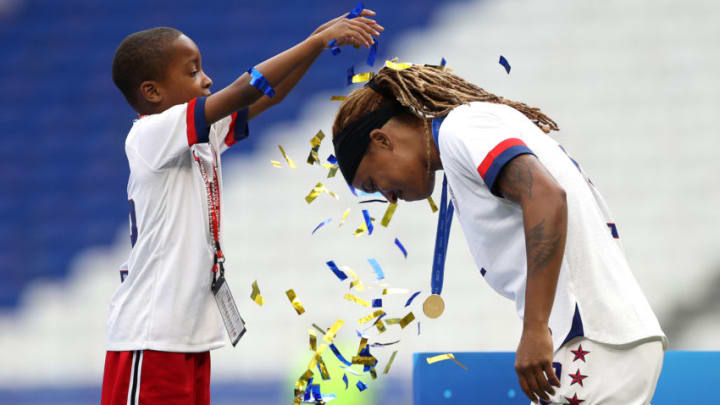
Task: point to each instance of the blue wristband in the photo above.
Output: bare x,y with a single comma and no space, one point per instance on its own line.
259,81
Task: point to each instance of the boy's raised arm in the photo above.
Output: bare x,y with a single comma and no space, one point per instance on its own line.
285,69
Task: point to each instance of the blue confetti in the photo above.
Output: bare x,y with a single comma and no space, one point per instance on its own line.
332,159
339,273
334,48
412,297
350,74
376,267
443,62
307,390
323,377
369,224
361,386
352,190
345,380
355,12
339,355
323,223
316,391
377,303
373,53
504,62
401,247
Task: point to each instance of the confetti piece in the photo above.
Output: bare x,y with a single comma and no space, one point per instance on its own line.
316,191
364,360
362,77
322,368
443,62
323,331
337,98
361,386
276,164
334,48
418,328
372,201
373,53
356,283
368,318
387,291
330,335
401,247
294,301
446,356
504,62
433,207
355,12
360,230
339,355
351,371
385,344
392,357
315,146
323,223
377,303
332,172
345,380
287,158
397,66
349,74
406,320
380,326
344,217
255,294
357,300
412,297
368,222
313,339
388,214
376,267
331,264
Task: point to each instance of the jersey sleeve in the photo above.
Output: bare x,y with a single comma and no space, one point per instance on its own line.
229,130
482,143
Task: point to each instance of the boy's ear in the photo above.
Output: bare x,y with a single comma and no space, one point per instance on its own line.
381,139
150,92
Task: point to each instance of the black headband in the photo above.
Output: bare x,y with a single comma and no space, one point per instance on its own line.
352,142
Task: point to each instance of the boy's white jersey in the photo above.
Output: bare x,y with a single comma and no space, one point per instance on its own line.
165,302
597,295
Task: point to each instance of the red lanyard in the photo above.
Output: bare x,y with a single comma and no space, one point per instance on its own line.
212,189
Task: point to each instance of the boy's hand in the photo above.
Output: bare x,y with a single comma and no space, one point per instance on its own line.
358,31
533,363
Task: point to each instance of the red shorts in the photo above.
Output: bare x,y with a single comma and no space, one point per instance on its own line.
147,377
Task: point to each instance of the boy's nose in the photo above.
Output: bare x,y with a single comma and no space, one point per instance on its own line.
207,82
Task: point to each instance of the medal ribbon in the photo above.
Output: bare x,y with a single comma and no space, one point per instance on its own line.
443,227
212,189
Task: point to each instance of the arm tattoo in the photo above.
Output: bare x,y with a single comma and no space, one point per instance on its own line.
541,247
516,179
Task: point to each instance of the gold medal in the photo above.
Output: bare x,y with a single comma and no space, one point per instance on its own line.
433,306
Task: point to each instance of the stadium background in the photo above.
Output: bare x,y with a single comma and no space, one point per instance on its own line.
633,87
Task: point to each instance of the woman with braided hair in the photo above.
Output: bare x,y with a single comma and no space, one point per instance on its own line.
538,229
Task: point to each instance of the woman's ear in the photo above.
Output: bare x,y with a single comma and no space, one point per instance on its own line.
380,139
150,92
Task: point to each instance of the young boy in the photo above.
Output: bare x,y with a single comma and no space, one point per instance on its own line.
164,318
539,231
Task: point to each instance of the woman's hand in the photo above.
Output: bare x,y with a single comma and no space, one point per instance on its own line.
533,363
357,32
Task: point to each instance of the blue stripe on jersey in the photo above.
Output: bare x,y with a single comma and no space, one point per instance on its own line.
577,327
500,162
242,130
201,127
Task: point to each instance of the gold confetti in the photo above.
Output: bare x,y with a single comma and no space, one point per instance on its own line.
364,360
294,301
315,146
255,294
368,318
363,343
357,284
446,356
332,172
380,326
361,230
287,158
323,331
323,369
357,300
276,164
362,77
313,339
316,191
392,321
387,291
344,217
433,207
330,335
406,320
387,367
300,386
397,66
337,98
388,215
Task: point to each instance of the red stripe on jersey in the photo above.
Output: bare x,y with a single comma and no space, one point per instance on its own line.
190,120
495,152
230,138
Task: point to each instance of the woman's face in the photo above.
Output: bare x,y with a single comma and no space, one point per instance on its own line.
396,163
